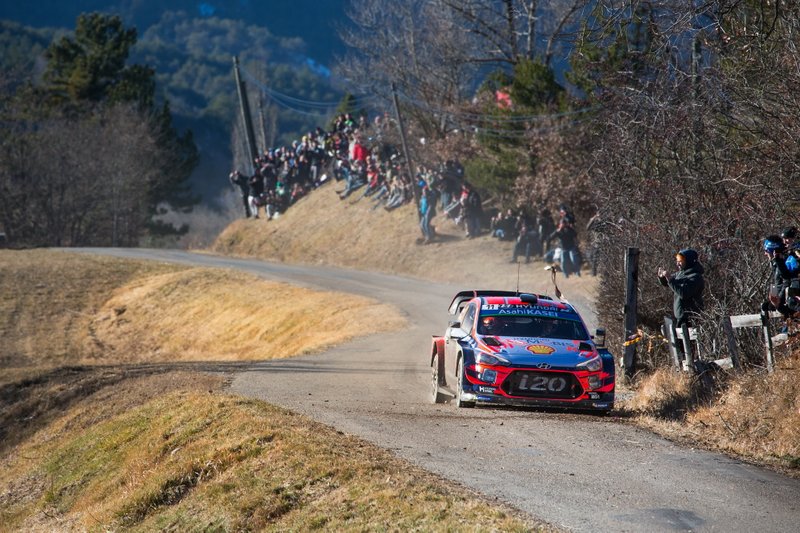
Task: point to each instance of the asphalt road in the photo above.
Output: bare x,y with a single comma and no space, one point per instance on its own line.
580,472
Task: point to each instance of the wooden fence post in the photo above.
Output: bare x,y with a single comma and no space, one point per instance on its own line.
733,347
687,349
672,339
770,356
631,304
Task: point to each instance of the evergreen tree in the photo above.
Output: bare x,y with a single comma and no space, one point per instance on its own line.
89,64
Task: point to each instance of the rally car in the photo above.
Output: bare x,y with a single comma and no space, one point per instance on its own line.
505,347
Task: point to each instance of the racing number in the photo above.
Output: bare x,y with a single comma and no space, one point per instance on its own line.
543,383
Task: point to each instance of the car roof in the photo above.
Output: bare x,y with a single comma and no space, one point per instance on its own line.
499,298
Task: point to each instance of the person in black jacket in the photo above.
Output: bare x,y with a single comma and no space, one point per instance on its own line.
784,270
568,242
687,286
239,180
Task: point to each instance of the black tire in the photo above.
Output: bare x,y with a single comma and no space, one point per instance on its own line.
460,386
436,394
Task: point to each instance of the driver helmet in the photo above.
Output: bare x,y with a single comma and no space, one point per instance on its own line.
489,323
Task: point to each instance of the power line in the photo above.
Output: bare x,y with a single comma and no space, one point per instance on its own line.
291,101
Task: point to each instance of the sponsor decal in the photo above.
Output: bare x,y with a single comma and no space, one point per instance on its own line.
528,309
541,349
486,390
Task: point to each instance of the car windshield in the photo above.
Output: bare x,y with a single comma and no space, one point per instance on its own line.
532,326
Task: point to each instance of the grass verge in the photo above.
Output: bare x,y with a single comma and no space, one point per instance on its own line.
754,416
194,460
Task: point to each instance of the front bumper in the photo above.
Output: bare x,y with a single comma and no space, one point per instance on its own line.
581,389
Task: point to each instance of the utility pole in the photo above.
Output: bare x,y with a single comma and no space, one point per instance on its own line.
406,154
262,119
244,109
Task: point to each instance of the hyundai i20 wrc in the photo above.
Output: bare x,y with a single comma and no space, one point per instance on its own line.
504,347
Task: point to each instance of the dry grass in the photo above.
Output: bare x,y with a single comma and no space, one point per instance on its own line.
48,299
208,315
59,309
239,465
756,416
321,229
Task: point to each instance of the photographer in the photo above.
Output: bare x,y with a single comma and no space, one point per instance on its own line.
687,285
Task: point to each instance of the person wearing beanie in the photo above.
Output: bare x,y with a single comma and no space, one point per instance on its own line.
687,285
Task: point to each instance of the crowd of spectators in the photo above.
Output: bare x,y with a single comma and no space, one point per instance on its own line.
539,236
352,152
355,154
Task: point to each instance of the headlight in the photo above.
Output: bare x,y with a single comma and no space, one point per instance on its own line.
592,365
489,376
490,360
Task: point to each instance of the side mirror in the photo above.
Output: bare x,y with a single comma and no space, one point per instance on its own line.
599,337
454,330
458,333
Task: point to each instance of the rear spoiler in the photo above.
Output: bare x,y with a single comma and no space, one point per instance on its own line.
465,296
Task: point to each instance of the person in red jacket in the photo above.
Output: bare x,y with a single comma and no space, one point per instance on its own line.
360,152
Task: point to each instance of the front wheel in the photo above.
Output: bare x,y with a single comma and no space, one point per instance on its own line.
436,369
460,402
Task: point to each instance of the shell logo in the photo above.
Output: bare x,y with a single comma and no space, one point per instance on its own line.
541,349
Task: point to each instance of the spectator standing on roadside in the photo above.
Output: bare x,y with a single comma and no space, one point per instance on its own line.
238,179
784,268
473,208
568,239
545,227
687,286
427,206
256,184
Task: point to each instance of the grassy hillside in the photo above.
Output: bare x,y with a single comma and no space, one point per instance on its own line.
113,415
59,309
321,229
190,460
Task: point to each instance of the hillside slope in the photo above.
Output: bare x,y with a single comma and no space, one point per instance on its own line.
323,230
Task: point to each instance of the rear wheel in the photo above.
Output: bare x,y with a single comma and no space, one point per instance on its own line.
460,387
436,368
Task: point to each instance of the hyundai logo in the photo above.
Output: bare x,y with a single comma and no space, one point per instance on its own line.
543,366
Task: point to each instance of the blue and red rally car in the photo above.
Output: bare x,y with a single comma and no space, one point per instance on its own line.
510,348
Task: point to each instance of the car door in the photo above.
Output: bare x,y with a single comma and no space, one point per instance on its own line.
466,319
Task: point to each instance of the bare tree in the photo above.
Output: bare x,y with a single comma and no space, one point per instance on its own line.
416,46
500,29
70,182
696,146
